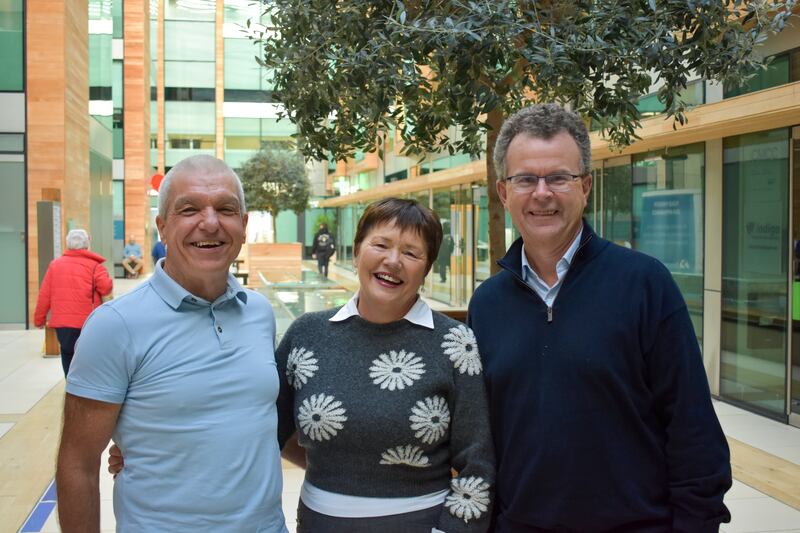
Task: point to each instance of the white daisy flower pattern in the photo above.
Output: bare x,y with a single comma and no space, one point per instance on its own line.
468,498
397,370
430,419
405,455
300,367
321,417
462,348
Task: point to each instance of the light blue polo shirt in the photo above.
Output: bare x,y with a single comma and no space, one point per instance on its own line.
197,382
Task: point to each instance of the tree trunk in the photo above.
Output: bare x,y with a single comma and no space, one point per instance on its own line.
497,216
274,226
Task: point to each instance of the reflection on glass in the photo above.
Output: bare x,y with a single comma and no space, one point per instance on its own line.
480,200
442,275
11,52
754,270
668,217
617,221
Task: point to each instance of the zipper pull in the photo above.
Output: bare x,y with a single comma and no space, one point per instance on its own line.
549,314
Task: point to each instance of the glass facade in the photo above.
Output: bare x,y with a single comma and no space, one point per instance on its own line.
189,80
754,270
667,200
783,68
617,202
11,45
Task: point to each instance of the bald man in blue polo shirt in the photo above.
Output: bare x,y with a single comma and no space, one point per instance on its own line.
181,373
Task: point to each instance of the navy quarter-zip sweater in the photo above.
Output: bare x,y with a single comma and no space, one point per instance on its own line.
601,413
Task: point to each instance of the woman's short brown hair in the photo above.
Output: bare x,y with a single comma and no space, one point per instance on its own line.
407,215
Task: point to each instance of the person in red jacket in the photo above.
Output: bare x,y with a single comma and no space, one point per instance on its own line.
73,286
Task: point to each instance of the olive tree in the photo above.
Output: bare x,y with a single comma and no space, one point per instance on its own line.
275,181
348,71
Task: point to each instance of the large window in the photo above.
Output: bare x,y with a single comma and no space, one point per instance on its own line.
11,52
783,68
668,223
754,270
616,202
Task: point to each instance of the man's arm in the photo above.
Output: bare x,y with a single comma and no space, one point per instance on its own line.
698,460
88,425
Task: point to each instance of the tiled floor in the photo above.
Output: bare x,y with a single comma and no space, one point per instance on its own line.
25,377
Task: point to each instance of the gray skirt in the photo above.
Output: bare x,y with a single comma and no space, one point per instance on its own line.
309,521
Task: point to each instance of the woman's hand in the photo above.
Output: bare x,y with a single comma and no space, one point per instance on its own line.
116,462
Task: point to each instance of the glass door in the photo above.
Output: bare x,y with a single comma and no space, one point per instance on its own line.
755,259
12,244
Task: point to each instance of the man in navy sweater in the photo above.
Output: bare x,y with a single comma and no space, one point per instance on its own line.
600,408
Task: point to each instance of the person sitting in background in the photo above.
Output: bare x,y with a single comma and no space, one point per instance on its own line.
132,258
73,286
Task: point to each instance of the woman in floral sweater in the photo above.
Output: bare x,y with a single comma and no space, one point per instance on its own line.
382,401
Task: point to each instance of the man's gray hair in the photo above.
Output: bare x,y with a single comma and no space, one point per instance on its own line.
202,164
77,239
542,121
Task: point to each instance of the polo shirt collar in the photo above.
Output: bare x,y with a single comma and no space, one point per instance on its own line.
419,314
174,294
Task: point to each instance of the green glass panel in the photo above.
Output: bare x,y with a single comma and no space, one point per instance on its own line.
12,242
202,10
668,217
617,205
13,143
241,69
286,227
755,215
117,84
188,41
189,117
11,52
189,74
777,73
116,14
100,63
483,265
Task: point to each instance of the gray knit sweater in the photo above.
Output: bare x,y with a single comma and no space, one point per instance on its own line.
386,410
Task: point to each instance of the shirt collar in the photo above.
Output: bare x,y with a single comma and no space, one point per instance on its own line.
563,263
174,294
419,314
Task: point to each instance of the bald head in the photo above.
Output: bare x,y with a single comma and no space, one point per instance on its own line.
201,164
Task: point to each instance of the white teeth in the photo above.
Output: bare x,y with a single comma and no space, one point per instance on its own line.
544,212
388,278
203,244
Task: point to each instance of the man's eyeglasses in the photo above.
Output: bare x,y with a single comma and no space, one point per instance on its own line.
555,182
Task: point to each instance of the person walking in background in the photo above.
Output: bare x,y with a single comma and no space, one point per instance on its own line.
445,252
323,248
73,286
158,252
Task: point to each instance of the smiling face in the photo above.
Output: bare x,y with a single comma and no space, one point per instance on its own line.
548,221
391,265
203,230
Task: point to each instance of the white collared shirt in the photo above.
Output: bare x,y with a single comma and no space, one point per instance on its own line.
547,293
419,314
